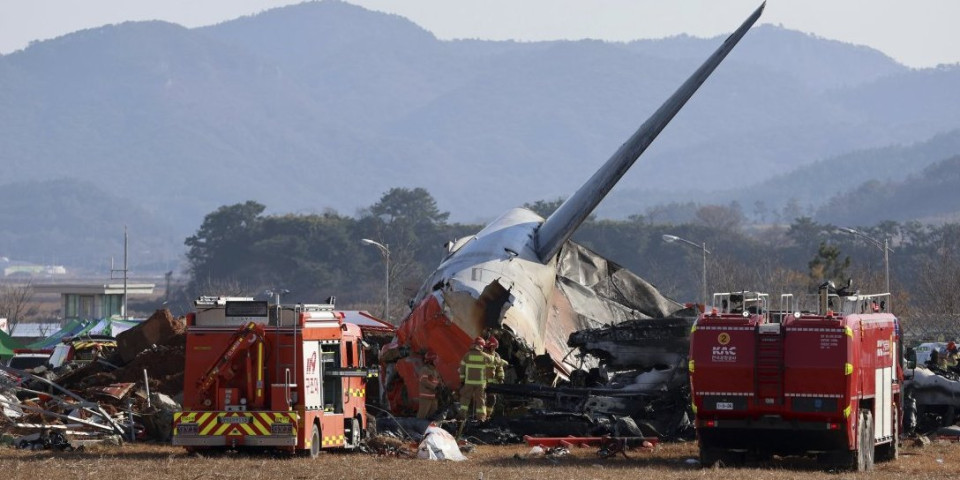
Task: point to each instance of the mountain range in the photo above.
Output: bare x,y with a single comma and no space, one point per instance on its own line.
326,105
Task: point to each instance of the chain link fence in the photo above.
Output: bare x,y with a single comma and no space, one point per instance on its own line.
919,328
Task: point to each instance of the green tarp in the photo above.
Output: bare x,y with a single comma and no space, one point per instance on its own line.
7,345
73,328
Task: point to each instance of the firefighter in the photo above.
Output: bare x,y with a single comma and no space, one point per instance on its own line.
429,382
473,379
494,371
934,361
952,356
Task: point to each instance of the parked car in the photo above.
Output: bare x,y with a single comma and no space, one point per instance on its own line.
82,350
925,349
28,359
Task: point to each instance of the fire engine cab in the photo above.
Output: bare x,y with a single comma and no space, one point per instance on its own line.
281,377
824,381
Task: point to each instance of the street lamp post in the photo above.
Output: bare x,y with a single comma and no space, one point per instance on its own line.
385,251
276,295
703,248
884,247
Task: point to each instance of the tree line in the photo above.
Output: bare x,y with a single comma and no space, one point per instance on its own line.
240,251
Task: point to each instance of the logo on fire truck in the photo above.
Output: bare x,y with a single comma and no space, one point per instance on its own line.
883,348
724,353
312,363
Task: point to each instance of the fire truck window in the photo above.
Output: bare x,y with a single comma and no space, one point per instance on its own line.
350,354
332,384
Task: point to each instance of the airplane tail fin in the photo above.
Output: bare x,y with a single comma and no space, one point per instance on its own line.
558,228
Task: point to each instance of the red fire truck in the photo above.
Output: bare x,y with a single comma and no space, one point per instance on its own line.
824,382
282,377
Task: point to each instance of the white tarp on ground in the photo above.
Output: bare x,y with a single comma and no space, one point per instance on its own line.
438,444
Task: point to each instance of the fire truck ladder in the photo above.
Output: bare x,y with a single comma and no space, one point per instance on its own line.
286,352
245,337
770,364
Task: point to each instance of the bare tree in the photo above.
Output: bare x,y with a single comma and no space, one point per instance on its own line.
16,303
721,217
223,287
767,275
938,284
405,277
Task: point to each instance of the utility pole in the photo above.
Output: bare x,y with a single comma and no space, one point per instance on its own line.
885,248
123,311
703,248
385,252
166,291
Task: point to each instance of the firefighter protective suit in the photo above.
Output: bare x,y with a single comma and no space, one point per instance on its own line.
473,378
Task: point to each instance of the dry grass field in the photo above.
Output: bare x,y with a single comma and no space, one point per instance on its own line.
938,460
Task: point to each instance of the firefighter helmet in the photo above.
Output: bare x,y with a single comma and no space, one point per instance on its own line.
479,342
951,347
492,343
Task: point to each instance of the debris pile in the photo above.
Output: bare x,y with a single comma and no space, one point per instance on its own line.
388,446
128,394
932,400
632,382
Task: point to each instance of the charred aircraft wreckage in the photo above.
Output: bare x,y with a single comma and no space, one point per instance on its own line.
579,332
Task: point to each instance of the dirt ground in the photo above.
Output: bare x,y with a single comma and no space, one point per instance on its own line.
669,461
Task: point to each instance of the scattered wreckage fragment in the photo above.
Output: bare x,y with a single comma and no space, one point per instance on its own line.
608,446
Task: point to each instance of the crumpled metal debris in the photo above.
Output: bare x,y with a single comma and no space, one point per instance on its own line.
931,399
387,445
46,440
110,400
637,385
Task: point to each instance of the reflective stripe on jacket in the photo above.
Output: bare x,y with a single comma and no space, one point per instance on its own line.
473,367
495,368
429,380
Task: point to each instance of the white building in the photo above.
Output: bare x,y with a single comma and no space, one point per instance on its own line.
89,301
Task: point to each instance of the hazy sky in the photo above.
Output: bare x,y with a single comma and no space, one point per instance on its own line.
918,33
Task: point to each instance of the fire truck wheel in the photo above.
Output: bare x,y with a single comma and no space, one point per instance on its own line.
315,442
354,439
865,442
891,451
711,456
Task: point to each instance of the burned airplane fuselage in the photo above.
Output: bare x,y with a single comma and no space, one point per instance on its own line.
495,280
489,282
531,306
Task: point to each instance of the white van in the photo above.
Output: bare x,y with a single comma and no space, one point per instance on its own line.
925,349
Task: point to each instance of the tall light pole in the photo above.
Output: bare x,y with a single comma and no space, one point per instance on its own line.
125,271
884,247
385,251
703,247
276,294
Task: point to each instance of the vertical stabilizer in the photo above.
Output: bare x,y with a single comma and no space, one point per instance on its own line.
558,228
